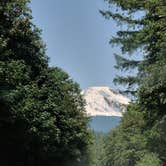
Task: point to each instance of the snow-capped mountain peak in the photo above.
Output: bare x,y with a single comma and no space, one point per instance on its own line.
104,101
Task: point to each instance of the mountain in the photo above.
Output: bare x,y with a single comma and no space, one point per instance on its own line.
105,106
104,101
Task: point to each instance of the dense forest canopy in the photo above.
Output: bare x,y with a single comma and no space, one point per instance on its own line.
140,138
42,115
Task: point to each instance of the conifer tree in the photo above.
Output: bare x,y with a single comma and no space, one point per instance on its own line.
146,22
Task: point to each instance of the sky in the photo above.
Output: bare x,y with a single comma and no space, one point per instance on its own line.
77,39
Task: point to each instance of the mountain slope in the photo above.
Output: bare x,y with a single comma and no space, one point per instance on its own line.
104,101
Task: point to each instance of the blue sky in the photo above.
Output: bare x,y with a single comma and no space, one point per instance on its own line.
77,38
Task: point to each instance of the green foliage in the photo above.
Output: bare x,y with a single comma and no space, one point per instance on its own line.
157,139
126,144
140,138
145,32
51,115
97,149
152,91
149,159
42,116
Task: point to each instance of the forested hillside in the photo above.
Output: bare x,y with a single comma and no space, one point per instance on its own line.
140,139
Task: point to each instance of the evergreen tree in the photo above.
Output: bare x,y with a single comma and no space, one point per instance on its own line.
140,144
149,159
126,144
145,21
42,116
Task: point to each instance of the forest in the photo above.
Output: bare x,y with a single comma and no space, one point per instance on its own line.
43,121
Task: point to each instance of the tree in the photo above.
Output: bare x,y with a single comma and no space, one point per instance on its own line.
126,144
42,116
50,122
149,159
145,22
145,32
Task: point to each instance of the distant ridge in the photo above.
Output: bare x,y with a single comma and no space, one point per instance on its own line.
104,101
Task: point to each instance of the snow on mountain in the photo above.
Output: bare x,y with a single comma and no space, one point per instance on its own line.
104,101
